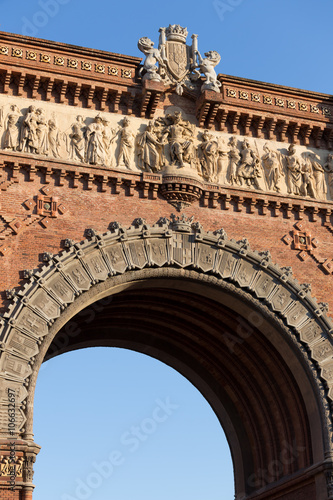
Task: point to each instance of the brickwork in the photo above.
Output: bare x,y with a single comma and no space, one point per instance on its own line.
84,208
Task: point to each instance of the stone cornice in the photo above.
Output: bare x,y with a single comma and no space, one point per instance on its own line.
272,87
68,49
17,168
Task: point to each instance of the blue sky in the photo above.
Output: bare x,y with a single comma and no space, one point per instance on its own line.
89,402
158,435
279,41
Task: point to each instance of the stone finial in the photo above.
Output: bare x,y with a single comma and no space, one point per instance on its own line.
10,293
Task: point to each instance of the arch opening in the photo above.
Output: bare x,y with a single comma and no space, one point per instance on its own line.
123,425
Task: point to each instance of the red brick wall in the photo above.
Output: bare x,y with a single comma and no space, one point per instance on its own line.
95,209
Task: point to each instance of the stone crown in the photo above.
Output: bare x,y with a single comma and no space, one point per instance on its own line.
176,33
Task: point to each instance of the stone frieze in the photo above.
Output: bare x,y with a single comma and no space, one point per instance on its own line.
171,145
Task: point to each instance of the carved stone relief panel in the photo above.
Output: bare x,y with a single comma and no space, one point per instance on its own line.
116,258
205,256
171,144
29,321
45,304
61,288
227,264
264,285
158,251
280,299
97,266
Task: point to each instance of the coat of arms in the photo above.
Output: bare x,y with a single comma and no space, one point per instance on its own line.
178,56
178,62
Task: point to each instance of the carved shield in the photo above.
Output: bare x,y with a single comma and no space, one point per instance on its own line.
178,59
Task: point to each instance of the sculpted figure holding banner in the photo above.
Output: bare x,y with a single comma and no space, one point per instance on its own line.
207,67
150,70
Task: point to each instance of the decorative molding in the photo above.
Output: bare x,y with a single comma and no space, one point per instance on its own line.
301,239
126,73
16,52
72,63
45,58
299,106
31,55
147,184
59,61
113,71
42,210
100,68
86,65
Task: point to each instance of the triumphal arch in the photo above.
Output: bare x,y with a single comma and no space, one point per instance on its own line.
202,203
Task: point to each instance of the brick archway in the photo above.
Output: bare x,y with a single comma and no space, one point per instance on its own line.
248,335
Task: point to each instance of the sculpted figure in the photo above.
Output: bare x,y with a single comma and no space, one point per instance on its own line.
294,172
318,174
328,167
180,136
110,135
76,147
249,169
149,147
11,125
207,67
28,137
273,168
222,161
125,156
95,147
42,132
308,187
208,154
54,138
234,158
152,57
